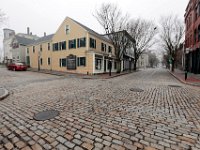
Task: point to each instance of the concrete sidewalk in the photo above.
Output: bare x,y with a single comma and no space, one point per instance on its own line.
192,79
3,93
82,76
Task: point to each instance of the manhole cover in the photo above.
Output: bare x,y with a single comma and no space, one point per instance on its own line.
174,86
46,115
136,90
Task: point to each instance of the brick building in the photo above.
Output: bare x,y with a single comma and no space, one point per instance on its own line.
192,36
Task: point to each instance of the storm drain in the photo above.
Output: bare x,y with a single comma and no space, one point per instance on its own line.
176,86
136,90
46,115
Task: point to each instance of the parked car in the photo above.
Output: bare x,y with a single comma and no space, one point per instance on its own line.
17,67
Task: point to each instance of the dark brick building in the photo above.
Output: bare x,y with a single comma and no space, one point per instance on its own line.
192,36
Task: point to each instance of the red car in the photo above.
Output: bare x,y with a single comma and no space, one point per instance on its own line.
17,67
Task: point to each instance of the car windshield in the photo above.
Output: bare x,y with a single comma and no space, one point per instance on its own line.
19,64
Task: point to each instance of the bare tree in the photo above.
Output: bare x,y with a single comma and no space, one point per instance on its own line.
171,35
153,60
115,24
2,17
143,32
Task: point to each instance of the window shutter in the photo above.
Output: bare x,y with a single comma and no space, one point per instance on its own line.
74,43
60,62
64,44
84,41
69,44
78,61
78,42
90,42
84,61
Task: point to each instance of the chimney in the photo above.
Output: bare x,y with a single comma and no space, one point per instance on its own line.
45,34
28,30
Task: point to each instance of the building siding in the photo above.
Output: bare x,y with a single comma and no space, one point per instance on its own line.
75,32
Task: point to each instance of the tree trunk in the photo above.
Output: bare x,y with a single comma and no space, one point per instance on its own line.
173,64
135,66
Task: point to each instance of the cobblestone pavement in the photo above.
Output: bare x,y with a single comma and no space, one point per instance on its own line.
1,91
99,114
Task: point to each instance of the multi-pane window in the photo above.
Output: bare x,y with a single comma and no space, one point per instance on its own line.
49,46
81,42
63,62
55,46
115,65
92,43
198,9
27,50
59,46
33,49
49,60
103,47
72,43
40,47
63,45
41,61
109,49
67,29
81,61
98,63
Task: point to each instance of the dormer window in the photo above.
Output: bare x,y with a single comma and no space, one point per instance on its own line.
15,45
67,29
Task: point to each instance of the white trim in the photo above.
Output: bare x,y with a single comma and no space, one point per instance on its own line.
93,57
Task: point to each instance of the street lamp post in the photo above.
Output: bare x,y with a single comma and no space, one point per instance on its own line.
110,63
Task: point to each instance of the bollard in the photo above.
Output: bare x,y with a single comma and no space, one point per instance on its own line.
186,75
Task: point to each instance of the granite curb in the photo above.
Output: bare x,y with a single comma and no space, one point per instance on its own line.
5,93
182,81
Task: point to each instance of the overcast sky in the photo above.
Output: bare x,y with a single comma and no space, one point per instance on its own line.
46,15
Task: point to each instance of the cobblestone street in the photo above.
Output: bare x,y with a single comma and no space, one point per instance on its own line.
99,113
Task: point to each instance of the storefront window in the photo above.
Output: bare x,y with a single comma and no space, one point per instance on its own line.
98,63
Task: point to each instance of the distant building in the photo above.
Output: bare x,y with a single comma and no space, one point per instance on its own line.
14,45
192,36
143,61
8,37
127,54
180,57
